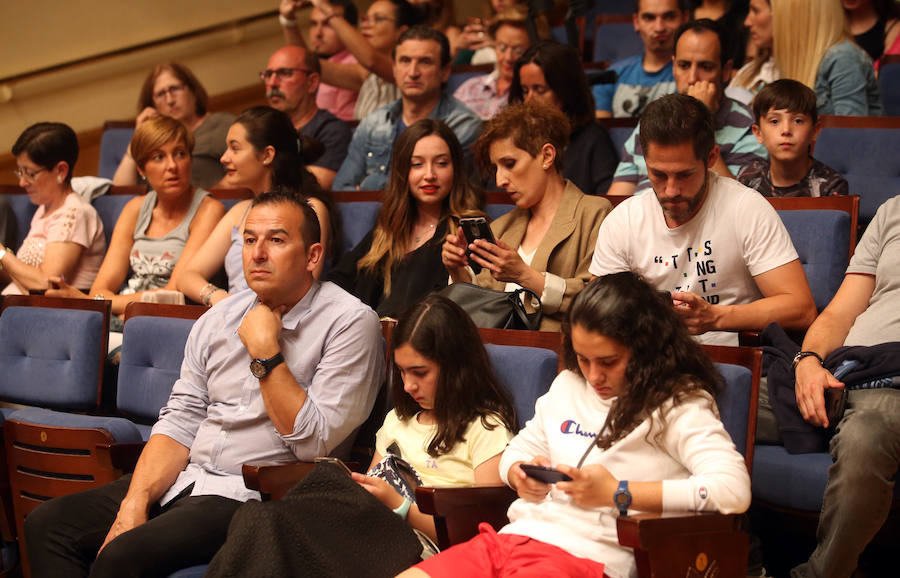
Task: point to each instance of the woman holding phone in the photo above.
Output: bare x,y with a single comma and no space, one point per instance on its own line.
546,243
398,262
641,391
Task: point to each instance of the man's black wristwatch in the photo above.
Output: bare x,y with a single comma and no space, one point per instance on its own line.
261,367
622,498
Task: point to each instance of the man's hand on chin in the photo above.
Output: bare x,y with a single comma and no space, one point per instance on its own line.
260,329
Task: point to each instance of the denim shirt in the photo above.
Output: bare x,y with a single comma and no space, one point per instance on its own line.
368,161
845,82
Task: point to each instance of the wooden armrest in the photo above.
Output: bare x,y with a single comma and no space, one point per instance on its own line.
274,479
458,511
685,544
749,339
124,456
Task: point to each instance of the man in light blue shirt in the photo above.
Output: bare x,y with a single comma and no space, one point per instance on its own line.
287,369
421,69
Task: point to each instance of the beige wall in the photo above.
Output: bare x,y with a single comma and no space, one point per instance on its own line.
36,34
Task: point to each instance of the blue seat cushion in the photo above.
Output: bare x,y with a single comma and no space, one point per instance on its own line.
122,430
525,372
51,357
109,207
794,481
24,211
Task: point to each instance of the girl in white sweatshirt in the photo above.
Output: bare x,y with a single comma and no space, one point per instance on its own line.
632,421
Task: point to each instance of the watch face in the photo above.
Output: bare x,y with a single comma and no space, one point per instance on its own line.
621,498
258,368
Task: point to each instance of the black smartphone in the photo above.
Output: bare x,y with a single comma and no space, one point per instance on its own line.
476,228
544,474
835,403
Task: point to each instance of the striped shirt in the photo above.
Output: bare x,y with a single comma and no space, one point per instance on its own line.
737,145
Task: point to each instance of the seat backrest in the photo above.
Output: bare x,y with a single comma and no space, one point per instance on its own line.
109,207
889,86
113,145
864,150
153,343
525,372
357,219
22,208
822,241
460,74
738,396
52,351
615,38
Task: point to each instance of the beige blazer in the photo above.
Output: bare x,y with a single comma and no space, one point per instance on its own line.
566,249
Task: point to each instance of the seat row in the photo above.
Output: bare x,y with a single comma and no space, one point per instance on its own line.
50,347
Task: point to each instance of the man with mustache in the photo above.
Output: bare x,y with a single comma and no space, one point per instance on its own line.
285,370
716,245
644,77
292,82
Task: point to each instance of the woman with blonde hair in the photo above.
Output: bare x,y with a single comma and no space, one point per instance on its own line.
399,261
811,44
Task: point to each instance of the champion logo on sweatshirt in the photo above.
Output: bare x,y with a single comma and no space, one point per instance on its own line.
572,427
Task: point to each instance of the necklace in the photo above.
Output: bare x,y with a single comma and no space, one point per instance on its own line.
418,238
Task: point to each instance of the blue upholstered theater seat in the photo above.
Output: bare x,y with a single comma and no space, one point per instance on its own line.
357,218
822,240
24,211
867,157
113,144
525,372
109,207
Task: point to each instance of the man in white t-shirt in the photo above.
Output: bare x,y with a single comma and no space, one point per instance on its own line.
717,246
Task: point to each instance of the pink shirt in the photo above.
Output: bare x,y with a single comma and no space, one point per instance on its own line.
76,221
338,101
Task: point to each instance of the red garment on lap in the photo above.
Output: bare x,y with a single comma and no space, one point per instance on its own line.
503,555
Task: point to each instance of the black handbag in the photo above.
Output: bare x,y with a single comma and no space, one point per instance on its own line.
495,309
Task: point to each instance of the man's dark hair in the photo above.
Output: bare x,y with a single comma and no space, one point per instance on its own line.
682,6
351,14
675,119
47,144
310,231
420,32
785,94
707,25
406,13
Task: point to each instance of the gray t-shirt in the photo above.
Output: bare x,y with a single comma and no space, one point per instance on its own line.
209,145
152,260
878,254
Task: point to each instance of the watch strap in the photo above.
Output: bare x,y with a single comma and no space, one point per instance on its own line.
804,354
622,497
403,509
269,364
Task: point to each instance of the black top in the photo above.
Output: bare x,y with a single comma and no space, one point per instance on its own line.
418,274
590,159
872,40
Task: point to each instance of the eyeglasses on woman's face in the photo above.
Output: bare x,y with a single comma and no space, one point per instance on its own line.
172,91
29,176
